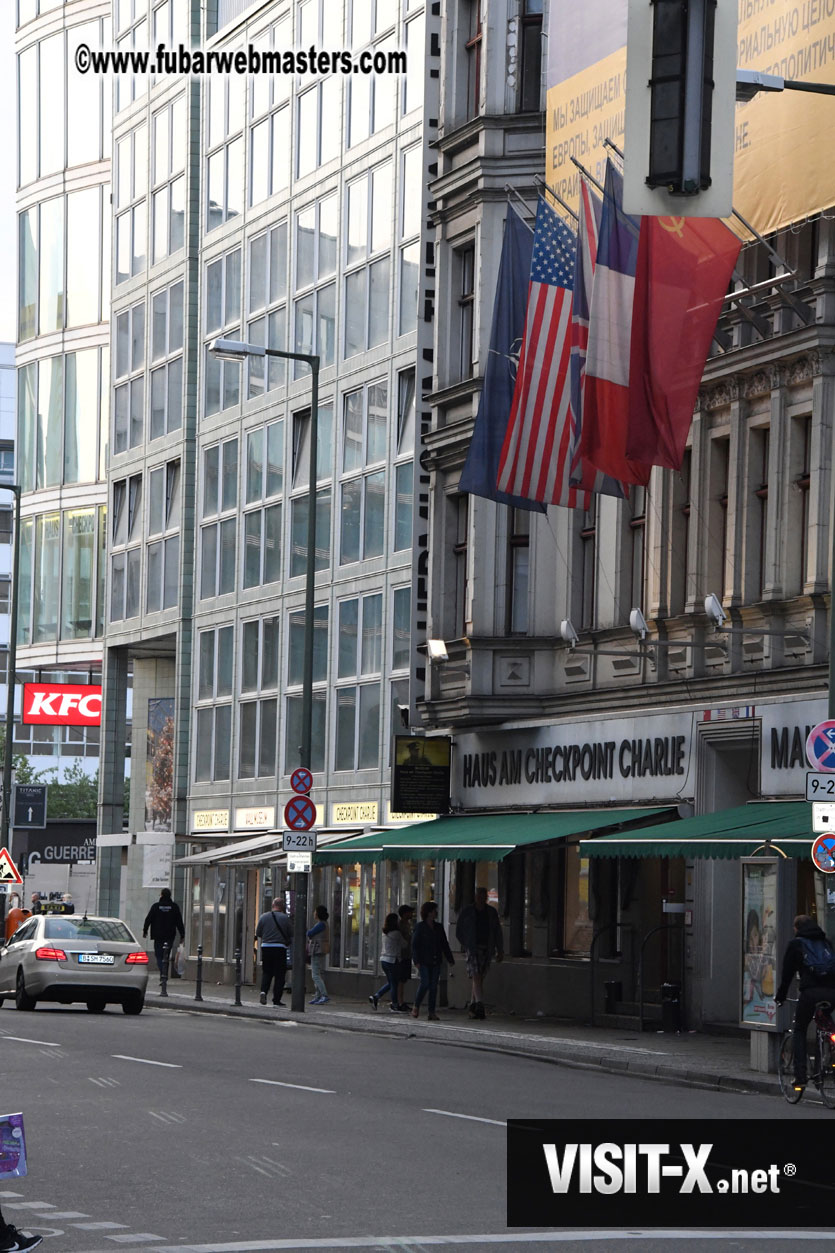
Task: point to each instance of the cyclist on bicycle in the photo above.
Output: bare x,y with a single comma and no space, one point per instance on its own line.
809,956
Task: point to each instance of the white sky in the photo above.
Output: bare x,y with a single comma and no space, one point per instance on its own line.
8,179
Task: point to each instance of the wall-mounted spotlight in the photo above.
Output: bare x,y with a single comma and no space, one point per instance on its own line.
436,650
638,624
714,610
568,632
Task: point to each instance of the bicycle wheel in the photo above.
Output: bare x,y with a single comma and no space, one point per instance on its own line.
826,1071
785,1069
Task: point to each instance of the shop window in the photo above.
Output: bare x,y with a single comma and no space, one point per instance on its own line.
220,522
267,300
578,928
213,730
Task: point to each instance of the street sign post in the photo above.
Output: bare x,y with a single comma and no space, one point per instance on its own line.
9,872
299,842
820,787
299,813
301,780
823,816
29,805
823,852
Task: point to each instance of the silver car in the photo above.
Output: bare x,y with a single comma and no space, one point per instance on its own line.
74,958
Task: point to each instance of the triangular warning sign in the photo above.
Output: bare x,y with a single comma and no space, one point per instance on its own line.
9,872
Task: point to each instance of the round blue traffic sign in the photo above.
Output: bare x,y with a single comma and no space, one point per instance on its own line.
823,853
301,780
820,746
299,813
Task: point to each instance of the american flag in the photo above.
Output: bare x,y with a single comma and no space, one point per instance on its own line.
536,456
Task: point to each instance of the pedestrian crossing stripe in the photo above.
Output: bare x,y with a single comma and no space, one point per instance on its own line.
9,872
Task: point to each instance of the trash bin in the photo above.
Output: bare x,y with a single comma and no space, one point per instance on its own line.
612,994
671,1007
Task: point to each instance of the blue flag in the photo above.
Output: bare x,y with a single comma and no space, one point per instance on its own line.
481,468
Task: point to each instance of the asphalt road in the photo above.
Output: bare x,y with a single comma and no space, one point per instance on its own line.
178,1130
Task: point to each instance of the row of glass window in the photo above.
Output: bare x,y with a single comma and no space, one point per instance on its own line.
62,576
62,121
64,264
62,419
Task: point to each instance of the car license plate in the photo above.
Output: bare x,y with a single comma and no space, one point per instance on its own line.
96,959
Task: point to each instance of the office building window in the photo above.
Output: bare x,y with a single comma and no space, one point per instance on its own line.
219,516
401,636
58,400
637,514
760,440
130,26
166,361
131,190
363,484
464,270
518,559
315,311
359,661
803,482
264,482
269,134
371,101
458,520
213,730
225,158
318,125
298,532
471,14
588,568
168,198
267,308
129,392
163,548
368,259
258,738
404,471
410,213
530,71
414,80
295,676
125,547
222,316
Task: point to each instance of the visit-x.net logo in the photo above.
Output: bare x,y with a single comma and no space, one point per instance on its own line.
657,1173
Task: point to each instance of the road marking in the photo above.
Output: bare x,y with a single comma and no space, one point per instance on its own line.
146,1061
102,1227
20,1039
63,1215
30,1205
602,1237
144,1236
104,1082
167,1117
447,1113
301,1087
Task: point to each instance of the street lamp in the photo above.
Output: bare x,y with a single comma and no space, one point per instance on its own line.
239,350
11,675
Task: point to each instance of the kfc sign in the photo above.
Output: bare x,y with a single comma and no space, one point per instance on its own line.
62,704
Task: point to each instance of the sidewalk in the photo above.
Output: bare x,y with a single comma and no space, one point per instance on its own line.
696,1059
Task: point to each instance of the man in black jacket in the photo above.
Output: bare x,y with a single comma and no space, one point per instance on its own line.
275,932
479,932
164,920
813,987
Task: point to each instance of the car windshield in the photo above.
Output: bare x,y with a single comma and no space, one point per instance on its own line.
87,929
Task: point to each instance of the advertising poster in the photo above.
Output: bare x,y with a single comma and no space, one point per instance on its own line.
780,173
420,778
157,865
759,942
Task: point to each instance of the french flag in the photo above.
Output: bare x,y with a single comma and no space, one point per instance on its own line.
606,398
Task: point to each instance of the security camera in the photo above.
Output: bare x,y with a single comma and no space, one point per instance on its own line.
714,610
568,633
638,624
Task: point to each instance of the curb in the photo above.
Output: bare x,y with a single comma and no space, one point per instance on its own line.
553,1052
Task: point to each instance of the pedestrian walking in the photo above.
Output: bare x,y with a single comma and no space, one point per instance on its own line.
479,932
429,947
165,922
275,933
318,946
14,1241
406,914
392,950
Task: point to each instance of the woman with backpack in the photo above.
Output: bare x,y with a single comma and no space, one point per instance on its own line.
809,956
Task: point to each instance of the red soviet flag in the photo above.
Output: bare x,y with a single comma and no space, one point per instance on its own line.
683,270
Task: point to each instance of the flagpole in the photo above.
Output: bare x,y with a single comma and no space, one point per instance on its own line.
564,204
523,203
589,176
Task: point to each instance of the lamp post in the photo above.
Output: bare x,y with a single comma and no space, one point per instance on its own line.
11,675
238,350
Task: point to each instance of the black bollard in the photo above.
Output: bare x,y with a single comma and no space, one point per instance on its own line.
238,976
163,974
198,994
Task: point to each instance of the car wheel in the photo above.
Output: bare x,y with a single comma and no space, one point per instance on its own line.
95,1006
134,1003
22,999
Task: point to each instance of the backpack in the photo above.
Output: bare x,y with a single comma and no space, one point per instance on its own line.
818,958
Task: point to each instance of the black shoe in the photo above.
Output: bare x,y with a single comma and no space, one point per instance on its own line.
799,1084
14,1241
395,1009
174,975
263,998
480,1010
374,999
279,1005
404,1008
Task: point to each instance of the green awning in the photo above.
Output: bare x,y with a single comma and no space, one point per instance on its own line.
730,833
476,837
